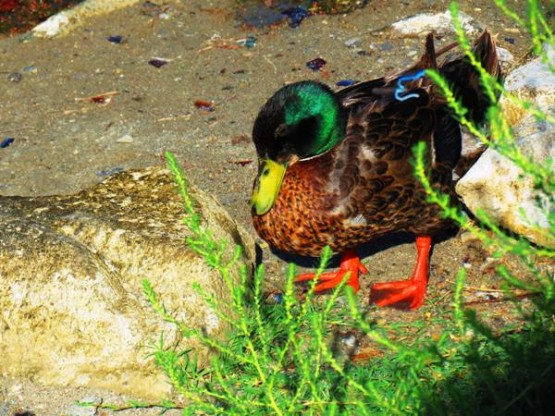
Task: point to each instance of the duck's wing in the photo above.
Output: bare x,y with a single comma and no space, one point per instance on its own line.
464,78
384,89
360,94
372,173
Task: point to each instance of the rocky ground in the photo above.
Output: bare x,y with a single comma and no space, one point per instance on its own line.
83,107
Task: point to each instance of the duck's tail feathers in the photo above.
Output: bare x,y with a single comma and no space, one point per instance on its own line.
464,78
429,59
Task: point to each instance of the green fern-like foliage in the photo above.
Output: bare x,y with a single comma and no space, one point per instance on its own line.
510,372
285,357
277,359
501,138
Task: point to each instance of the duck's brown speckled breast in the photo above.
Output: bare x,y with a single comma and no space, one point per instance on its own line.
305,217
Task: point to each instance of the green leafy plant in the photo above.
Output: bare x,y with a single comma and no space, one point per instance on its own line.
500,137
293,356
512,370
284,357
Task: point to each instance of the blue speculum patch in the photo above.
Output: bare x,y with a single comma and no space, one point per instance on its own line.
401,86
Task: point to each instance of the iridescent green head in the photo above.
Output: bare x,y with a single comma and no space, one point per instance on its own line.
300,121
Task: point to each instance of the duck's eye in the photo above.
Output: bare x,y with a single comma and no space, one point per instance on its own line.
281,130
266,172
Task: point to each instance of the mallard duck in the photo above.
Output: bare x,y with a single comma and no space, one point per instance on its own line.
334,167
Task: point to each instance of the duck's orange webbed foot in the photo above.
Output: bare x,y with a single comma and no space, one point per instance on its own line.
350,263
411,291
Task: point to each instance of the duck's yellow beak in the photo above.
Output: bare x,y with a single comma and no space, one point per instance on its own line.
267,185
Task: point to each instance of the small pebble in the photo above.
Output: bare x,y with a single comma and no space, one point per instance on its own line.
510,40
251,41
125,139
349,43
487,295
31,69
157,62
82,410
16,389
345,82
248,42
316,64
115,39
349,340
275,297
5,407
151,9
466,262
386,46
204,105
6,142
296,15
243,162
15,77
110,171
258,15
101,99
505,56
468,237
489,263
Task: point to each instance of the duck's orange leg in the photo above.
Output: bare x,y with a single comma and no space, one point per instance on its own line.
411,291
350,263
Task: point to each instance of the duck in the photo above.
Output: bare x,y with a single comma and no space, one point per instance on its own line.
334,167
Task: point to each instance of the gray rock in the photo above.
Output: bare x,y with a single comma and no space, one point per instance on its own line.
506,58
72,308
533,78
83,410
497,185
4,406
352,42
64,21
15,77
440,23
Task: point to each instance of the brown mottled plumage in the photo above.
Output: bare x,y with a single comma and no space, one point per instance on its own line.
363,187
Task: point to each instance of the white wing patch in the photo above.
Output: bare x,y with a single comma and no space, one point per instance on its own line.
359,220
367,153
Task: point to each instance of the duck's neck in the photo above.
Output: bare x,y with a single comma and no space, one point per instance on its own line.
322,106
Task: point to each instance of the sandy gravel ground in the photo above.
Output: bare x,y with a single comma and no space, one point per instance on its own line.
64,142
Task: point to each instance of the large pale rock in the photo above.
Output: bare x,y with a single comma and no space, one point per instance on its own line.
63,22
441,23
71,301
497,185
